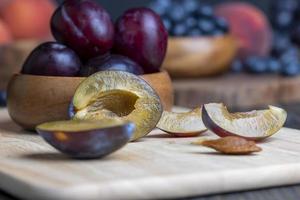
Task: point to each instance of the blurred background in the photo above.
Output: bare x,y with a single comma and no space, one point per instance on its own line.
116,7
242,53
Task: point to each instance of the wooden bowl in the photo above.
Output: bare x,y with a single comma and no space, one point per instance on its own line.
189,57
33,100
12,57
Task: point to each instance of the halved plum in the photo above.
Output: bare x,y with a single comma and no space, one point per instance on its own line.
87,139
187,124
116,94
254,125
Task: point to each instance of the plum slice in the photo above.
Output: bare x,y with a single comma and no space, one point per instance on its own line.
254,125
87,139
187,124
118,95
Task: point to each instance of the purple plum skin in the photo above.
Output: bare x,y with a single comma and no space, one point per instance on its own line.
90,144
84,26
52,59
221,132
111,62
141,36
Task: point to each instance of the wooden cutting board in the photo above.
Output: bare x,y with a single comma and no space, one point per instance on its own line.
155,167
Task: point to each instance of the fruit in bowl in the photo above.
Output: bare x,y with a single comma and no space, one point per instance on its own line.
200,43
111,62
146,42
84,26
52,59
54,72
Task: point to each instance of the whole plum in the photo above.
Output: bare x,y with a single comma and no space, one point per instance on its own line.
111,62
52,59
84,26
142,36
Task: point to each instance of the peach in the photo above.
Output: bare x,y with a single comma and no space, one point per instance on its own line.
5,35
250,26
28,18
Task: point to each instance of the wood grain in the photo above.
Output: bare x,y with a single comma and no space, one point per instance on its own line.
156,167
237,90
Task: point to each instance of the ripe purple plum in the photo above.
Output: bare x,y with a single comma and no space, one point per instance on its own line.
84,26
112,63
52,59
141,36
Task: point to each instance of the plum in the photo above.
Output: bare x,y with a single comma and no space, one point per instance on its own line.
84,26
118,95
141,36
111,62
255,125
187,124
87,139
52,59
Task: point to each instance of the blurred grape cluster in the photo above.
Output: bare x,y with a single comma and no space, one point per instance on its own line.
2,98
189,18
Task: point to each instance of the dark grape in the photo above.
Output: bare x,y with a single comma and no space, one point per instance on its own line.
295,35
191,22
145,41
273,65
284,20
2,98
292,69
222,24
205,11
190,6
291,55
256,65
180,30
167,24
281,42
237,66
177,13
194,32
111,62
190,18
52,59
84,26
206,26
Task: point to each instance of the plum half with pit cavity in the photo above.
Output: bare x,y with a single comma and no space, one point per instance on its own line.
187,124
87,139
254,125
118,95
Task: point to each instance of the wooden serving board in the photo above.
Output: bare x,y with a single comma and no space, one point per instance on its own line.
238,90
155,167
